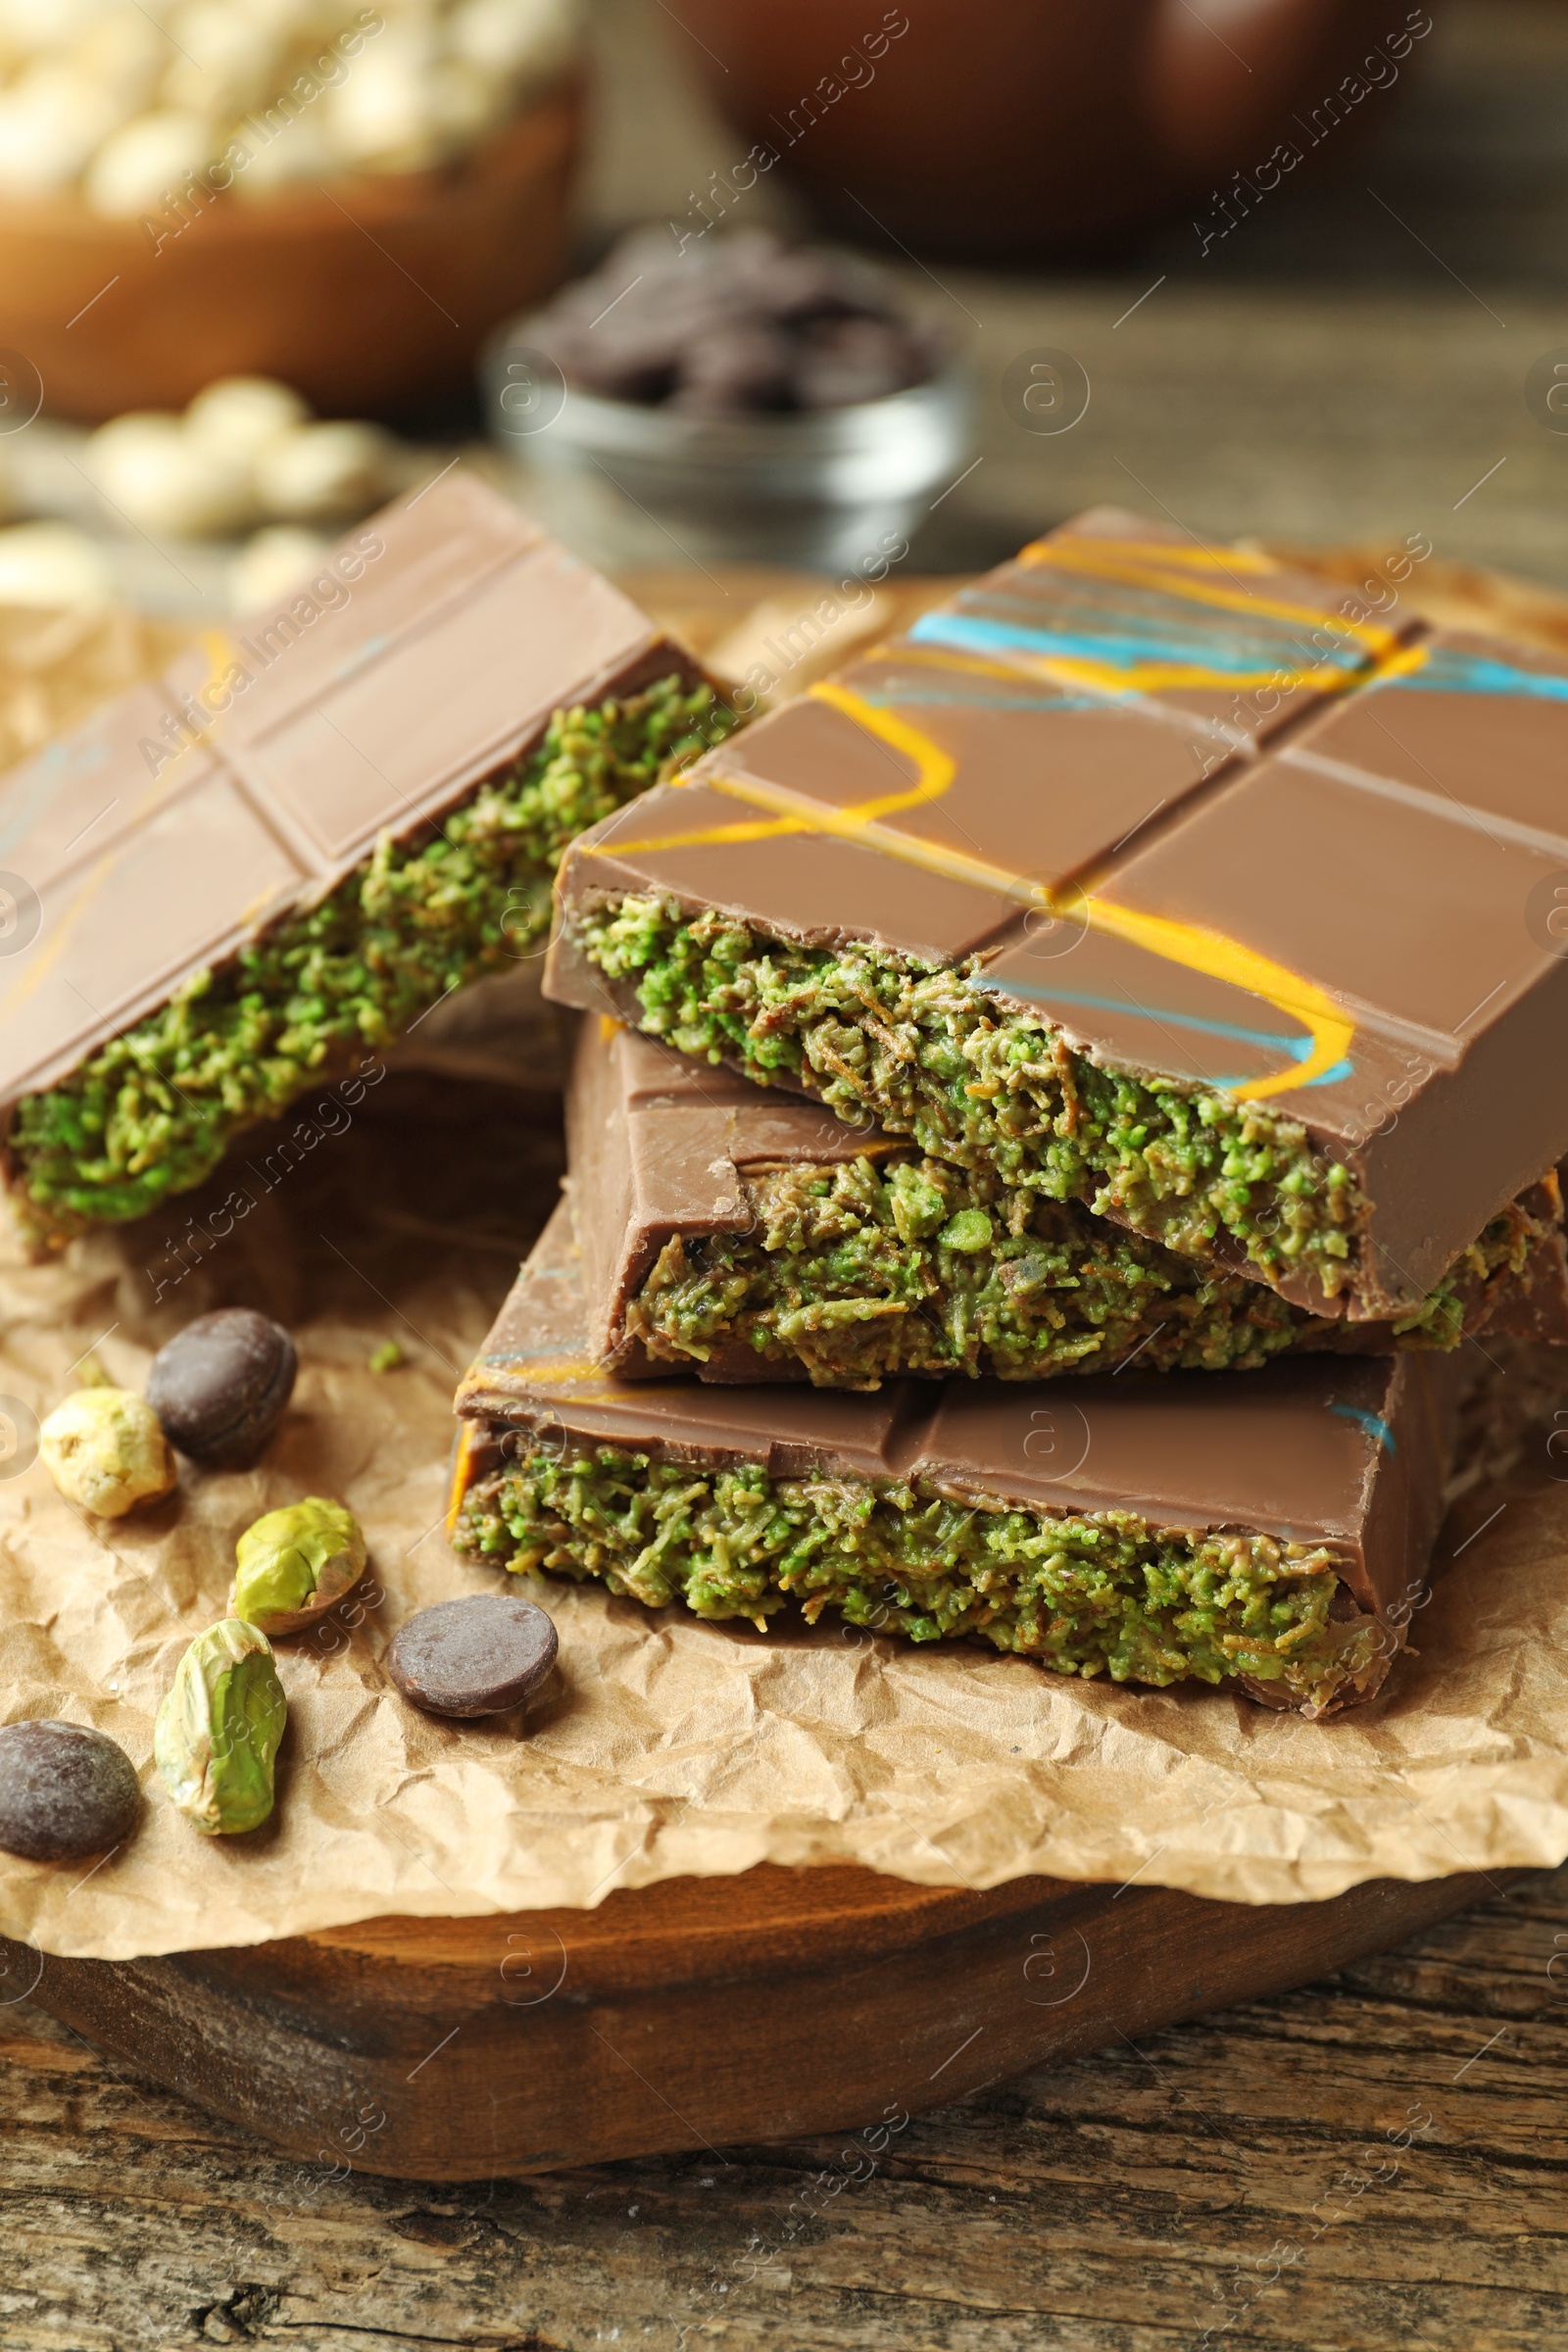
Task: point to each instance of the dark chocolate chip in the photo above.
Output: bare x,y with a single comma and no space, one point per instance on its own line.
851,360
221,1386
818,286
64,1791
475,1656
742,366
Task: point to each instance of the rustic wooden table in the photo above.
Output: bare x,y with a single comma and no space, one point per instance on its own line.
1378,2161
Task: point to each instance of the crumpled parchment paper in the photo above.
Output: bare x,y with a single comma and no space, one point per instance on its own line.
662,1747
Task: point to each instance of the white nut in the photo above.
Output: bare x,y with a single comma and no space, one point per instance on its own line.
34,160
35,27
381,117
238,414
50,122
325,472
293,21
123,53
162,479
296,154
146,161
273,564
221,64
54,567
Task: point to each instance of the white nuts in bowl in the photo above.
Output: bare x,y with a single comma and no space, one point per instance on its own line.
222,62
137,168
51,122
124,102
123,53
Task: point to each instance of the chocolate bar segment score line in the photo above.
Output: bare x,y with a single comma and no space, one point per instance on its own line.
1329,1029
1301,1003
1156,638
730,1233
1269,1534
1087,653
269,768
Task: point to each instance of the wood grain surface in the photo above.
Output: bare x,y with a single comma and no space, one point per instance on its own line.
1376,2164
687,2013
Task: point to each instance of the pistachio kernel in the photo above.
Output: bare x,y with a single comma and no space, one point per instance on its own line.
105,1452
218,1731
296,1563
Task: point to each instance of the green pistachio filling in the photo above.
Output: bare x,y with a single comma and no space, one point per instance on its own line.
859,1273
881,1266
1097,1594
930,1054
153,1112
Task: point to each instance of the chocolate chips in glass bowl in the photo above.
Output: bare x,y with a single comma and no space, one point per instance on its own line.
743,326
753,400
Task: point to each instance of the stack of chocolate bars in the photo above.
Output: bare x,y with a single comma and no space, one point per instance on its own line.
1055,1102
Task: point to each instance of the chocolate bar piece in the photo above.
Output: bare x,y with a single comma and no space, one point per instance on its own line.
239,879
1068,885
1270,1533
738,1234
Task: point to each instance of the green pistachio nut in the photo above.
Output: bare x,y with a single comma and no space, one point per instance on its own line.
969,1230
218,1731
919,1206
104,1451
296,1563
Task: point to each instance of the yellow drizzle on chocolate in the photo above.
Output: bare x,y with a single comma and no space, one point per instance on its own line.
1190,945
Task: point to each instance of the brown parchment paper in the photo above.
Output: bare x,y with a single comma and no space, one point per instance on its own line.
662,1747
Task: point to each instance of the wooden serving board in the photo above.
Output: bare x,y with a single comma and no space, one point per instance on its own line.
775,2006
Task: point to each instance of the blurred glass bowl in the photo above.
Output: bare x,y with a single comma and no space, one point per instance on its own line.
826,489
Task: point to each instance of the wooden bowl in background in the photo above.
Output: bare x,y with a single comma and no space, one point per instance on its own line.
361,294
1031,128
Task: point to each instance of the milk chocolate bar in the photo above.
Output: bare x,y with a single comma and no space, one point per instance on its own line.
1141,877
1270,1533
238,879
733,1233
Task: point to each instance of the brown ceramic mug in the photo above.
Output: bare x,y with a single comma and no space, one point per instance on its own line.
1014,128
